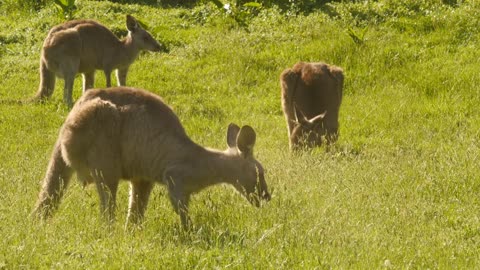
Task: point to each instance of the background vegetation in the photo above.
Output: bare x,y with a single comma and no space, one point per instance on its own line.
400,189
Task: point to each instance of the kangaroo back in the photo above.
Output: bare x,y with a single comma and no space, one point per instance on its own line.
121,126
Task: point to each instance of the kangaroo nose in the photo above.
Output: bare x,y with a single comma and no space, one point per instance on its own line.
266,195
159,47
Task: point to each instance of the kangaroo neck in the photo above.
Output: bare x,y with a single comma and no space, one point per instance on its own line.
211,167
129,50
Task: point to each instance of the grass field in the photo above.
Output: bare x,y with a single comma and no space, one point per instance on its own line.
400,189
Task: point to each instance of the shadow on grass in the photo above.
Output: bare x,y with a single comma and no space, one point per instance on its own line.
160,3
305,6
14,102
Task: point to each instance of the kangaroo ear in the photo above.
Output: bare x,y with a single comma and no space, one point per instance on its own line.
318,119
132,24
299,116
246,140
232,133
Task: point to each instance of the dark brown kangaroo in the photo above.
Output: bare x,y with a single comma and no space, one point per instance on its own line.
126,133
311,98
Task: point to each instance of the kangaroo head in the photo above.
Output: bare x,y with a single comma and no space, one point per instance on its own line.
249,173
141,37
307,132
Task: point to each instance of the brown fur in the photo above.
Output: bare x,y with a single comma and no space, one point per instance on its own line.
311,98
126,133
83,46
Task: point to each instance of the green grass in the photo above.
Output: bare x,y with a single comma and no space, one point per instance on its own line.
400,189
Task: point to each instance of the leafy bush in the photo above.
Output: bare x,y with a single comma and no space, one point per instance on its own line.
243,11
22,5
66,8
296,6
376,12
239,11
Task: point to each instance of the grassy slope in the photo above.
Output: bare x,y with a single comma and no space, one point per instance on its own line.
400,189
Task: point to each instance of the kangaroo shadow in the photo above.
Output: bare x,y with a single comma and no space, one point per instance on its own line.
23,102
15,102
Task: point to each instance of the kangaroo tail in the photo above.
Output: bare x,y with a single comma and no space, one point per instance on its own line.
47,82
56,180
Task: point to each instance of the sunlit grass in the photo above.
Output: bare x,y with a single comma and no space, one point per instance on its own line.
399,189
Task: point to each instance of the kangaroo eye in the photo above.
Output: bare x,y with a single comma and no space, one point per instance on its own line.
145,38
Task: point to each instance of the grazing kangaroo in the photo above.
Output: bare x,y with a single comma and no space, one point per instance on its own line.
126,133
311,98
83,46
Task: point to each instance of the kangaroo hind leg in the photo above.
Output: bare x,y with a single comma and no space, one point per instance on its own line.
69,71
88,80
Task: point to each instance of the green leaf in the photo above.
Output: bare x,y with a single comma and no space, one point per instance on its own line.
253,4
62,3
358,38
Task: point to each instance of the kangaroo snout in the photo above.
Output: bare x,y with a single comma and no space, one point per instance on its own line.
260,194
158,48
151,44
256,199
266,196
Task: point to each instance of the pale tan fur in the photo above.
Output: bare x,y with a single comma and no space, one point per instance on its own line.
83,46
311,98
126,133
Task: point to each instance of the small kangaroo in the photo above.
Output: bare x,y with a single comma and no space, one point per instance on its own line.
126,133
83,46
311,98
